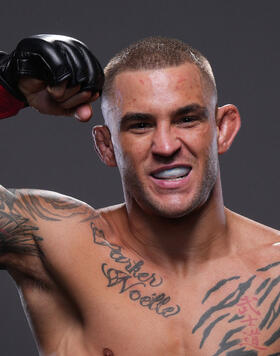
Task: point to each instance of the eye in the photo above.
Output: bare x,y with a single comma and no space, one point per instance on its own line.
187,120
190,118
140,126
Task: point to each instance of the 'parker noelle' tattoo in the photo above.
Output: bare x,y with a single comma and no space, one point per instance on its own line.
240,308
131,279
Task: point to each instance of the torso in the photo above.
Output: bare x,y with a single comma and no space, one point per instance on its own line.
101,298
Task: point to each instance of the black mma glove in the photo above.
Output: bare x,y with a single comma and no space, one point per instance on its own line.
53,59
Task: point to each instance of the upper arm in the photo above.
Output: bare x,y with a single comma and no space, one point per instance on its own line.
18,231
24,219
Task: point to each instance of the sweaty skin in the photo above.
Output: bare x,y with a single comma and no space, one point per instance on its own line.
171,271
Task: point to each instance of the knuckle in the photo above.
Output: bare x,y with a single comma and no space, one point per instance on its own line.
86,95
66,105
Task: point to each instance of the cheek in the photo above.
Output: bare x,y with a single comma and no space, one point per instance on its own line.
204,142
134,149
210,149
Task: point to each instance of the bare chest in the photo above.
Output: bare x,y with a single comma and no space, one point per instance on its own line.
233,317
131,308
128,307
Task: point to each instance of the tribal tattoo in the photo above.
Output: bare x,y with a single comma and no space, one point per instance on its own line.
131,279
21,209
240,308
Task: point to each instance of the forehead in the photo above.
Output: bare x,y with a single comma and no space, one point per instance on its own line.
160,89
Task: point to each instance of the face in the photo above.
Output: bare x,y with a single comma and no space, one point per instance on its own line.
164,135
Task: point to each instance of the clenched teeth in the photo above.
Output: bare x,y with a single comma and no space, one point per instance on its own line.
172,173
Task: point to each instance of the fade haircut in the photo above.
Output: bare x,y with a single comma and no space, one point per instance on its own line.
157,53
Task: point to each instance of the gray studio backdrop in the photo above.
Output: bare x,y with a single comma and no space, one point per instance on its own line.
241,39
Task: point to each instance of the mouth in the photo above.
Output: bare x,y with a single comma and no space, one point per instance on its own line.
174,173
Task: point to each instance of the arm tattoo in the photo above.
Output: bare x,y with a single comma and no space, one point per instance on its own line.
20,210
55,208
241,307
17,235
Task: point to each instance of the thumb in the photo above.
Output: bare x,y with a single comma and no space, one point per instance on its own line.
84,112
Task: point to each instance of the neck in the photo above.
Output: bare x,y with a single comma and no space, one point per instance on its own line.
195,238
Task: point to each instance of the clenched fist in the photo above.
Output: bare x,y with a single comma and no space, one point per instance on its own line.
56,75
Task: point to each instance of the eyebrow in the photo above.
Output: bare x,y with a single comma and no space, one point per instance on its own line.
135,116
202,110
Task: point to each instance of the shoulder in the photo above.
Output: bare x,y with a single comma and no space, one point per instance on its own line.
29,218
255,242
251,228
44,205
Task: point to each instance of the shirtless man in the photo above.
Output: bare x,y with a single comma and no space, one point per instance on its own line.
171,271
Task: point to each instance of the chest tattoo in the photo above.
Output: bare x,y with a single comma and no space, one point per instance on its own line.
248,307
130,278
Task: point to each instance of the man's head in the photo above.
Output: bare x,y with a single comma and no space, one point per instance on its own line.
159,103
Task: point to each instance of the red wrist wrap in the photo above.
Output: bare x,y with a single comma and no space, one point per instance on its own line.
9,105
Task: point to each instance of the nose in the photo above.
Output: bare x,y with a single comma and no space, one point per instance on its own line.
165,143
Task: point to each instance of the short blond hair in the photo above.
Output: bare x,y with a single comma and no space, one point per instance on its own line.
156,53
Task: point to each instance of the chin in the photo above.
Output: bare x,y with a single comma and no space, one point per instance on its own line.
169,210
172,213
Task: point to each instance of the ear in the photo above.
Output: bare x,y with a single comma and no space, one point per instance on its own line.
103,145
228,124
